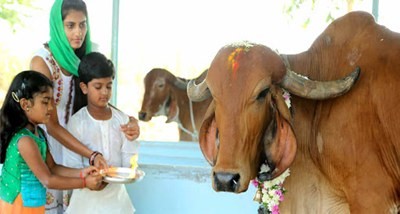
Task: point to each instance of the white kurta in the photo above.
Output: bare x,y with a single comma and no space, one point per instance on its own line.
106,137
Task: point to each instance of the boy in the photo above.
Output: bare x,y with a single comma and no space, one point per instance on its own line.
97,125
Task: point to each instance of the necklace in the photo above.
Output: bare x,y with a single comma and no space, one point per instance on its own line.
59,84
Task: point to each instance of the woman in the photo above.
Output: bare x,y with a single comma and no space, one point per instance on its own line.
59,60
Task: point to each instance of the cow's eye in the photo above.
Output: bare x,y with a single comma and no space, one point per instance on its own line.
160,85
262,94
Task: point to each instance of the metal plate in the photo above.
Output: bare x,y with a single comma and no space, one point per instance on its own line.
123,175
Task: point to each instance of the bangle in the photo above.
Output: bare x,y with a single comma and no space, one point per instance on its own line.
83,179
93,157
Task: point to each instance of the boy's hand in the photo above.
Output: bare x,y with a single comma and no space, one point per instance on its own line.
131,129
100,162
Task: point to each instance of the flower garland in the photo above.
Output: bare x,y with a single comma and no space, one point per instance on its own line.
286,97
270,193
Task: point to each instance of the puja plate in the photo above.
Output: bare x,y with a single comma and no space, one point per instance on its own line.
122,175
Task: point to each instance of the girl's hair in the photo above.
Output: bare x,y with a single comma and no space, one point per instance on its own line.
92,66
77,5
12,117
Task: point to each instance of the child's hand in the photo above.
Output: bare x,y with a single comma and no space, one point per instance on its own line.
94,181
100,162
131,129
89,170
102,185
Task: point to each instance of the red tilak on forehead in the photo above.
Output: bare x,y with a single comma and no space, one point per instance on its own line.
234,58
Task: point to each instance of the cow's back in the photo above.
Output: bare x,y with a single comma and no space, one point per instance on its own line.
353,140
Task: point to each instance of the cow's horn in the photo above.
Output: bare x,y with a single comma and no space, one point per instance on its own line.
318,90
198,93
181,84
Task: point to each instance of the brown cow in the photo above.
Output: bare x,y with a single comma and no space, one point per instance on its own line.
165,95
348,147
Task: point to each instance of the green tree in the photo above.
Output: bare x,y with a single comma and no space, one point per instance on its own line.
292,6
10,65
12,11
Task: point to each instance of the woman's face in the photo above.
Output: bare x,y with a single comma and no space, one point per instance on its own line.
75,28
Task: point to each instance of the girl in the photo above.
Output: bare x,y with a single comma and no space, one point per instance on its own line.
28,165
59,60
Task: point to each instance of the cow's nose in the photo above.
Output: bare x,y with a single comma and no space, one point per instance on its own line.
142,115
228,182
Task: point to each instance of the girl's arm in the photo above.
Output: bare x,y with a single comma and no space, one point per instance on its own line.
56,130
46,174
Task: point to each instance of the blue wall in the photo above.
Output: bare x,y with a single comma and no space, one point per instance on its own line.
178,181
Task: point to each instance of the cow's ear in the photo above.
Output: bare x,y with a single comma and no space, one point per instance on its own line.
284,146
280,142
280,104
208,136
173,111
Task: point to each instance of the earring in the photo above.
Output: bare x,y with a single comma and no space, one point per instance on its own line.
27,109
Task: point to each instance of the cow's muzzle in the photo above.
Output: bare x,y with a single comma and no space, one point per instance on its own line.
227,182
142,116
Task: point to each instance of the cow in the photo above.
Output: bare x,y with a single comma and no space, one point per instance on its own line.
165,95
341,136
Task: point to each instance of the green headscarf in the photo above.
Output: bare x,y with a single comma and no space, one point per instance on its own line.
59,45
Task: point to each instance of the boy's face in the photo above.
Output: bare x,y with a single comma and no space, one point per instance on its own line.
98,91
